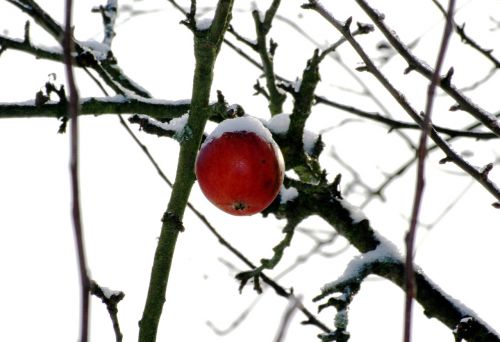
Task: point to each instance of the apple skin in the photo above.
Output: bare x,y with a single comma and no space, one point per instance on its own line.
240,172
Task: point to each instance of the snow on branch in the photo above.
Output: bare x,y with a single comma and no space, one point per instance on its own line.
119,104
379,257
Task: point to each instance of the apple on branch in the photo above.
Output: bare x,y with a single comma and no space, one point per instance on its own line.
240,167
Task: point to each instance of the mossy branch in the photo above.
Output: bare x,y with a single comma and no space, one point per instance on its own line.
262,28
112,105
207,44
306,166
304,98
326,202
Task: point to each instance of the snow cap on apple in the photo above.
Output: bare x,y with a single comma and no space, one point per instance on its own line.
240,167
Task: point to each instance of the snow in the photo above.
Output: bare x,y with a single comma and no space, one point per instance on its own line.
465,311
203,24
297,84
254,8
57,49
130,81
356,214
341,319
287,195
241,124
108,293
385,251
25,6
99,50
279,123
232,108
30,103
309,140
122,99
110,99
176,125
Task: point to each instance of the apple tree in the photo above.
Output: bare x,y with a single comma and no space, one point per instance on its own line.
380,121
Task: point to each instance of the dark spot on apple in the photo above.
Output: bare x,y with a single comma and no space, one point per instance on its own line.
239,206
263,161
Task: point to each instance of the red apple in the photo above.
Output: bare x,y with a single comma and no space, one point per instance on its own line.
240,168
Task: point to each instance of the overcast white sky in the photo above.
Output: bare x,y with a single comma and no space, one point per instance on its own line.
124,199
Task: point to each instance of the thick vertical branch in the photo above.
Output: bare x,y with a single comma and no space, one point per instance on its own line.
207,45
419,190
73,107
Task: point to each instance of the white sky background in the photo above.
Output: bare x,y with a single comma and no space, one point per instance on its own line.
124,199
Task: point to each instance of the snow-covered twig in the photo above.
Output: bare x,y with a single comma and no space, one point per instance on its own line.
119,104
109,13
111,299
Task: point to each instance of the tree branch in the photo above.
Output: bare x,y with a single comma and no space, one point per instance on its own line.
460,29
419,188
111,300
103,63
326,202
207,44
414,63
73,108
262,27
396,124
119,104
451,155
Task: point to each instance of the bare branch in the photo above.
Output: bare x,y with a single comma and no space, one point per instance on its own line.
401,99
293,305
414,63
419,191
111,300
262,28
460,29
396,124
104,64
73,107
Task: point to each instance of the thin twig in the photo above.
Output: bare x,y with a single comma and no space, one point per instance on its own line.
394,124
262,28
362,29
451,155
460,29
111,300
397,124
403,168
419,190
414,63
294,303
73,108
